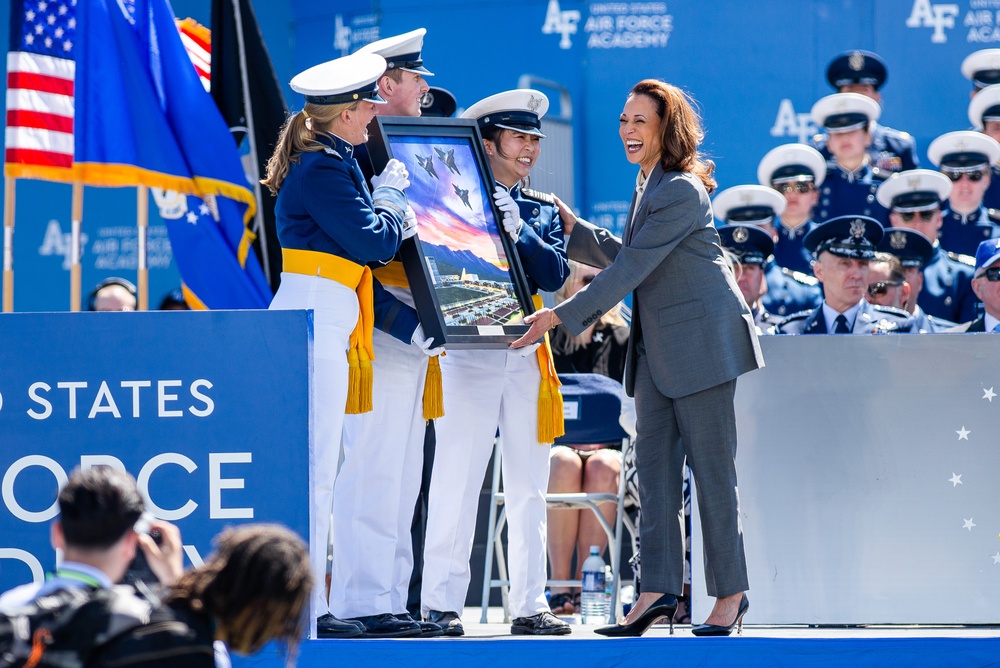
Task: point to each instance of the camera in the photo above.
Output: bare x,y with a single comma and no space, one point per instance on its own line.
139,570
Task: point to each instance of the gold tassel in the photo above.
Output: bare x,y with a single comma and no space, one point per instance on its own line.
433,391
546,430
353,382
365,382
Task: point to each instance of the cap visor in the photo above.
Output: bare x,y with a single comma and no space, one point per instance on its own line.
418,70
525,129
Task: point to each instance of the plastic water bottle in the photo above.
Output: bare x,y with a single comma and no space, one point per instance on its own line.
593,602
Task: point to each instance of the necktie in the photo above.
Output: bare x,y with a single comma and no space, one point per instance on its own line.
840,325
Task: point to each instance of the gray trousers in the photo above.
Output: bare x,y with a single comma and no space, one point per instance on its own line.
701,427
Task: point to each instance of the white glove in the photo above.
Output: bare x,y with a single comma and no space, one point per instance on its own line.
394,175
409,223
420,340
511,214
528,350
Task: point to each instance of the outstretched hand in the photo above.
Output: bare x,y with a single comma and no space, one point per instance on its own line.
541,321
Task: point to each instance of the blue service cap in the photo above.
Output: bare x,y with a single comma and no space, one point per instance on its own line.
985,106
791,163
748,204
750,245
343,80
847,236
987,254
520,110
843,112
911,247
914,190
437,103
982,67
857,67
401,52
963,151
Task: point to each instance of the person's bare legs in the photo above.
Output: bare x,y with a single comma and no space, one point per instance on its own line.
600,475
565,477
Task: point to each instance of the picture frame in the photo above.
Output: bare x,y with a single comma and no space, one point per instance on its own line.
468,285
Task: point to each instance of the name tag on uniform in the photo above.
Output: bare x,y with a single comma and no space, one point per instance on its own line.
571,409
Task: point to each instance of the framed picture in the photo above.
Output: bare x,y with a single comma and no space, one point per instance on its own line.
464,272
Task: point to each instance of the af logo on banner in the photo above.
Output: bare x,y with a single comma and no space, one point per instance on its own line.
561,22
789,123
937,16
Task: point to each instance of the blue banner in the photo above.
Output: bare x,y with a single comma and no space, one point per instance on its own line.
209,411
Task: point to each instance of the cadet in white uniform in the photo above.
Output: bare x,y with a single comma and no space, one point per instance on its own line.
487,388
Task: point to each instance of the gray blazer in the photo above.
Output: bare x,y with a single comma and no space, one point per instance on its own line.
687,310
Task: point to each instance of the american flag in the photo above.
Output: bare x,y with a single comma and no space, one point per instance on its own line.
40,79
197,41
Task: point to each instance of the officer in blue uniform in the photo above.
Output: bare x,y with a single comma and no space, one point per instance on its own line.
947,292
787,291
984,114
864,72
331,226
851,178
751,248
966,158
796,171
915,251
843,248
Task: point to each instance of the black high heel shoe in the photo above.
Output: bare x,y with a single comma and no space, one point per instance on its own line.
665,606
716,630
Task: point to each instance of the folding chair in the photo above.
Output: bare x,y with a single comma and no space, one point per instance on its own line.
591,406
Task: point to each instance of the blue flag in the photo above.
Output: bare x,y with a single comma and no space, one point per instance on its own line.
143,117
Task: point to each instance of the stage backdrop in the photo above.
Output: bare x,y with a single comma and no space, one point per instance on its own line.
208,410
868,481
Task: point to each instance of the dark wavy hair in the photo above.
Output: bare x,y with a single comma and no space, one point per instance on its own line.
680,130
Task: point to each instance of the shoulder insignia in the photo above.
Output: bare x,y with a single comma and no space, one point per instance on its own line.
903,134
892,310
964,259
333,152
993,215
801,315
538,196
800,277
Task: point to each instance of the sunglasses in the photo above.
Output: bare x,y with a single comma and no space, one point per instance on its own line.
926,216
992,275
975,176
882,287
800,187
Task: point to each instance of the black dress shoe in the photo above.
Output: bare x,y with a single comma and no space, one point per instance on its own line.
717,630
542,624
450,622
328,626
387,626
665,606
427,629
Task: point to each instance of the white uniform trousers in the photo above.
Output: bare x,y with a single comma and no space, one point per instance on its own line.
378,486
335,315
484,389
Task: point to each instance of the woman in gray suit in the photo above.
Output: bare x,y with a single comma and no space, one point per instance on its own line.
692,336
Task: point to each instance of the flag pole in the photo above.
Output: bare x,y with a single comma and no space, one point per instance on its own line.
9,183
254,173
74,266
142,222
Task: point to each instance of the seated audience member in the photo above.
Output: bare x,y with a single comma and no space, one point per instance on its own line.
98,510
966,158
984,114
864,72
915,198
914,252
174,301
986,284
252,590
751,248
851,178
591,469
113,294
787,291
796,171
843,248
887,284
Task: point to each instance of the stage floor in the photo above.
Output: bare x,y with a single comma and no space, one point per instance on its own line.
491,644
